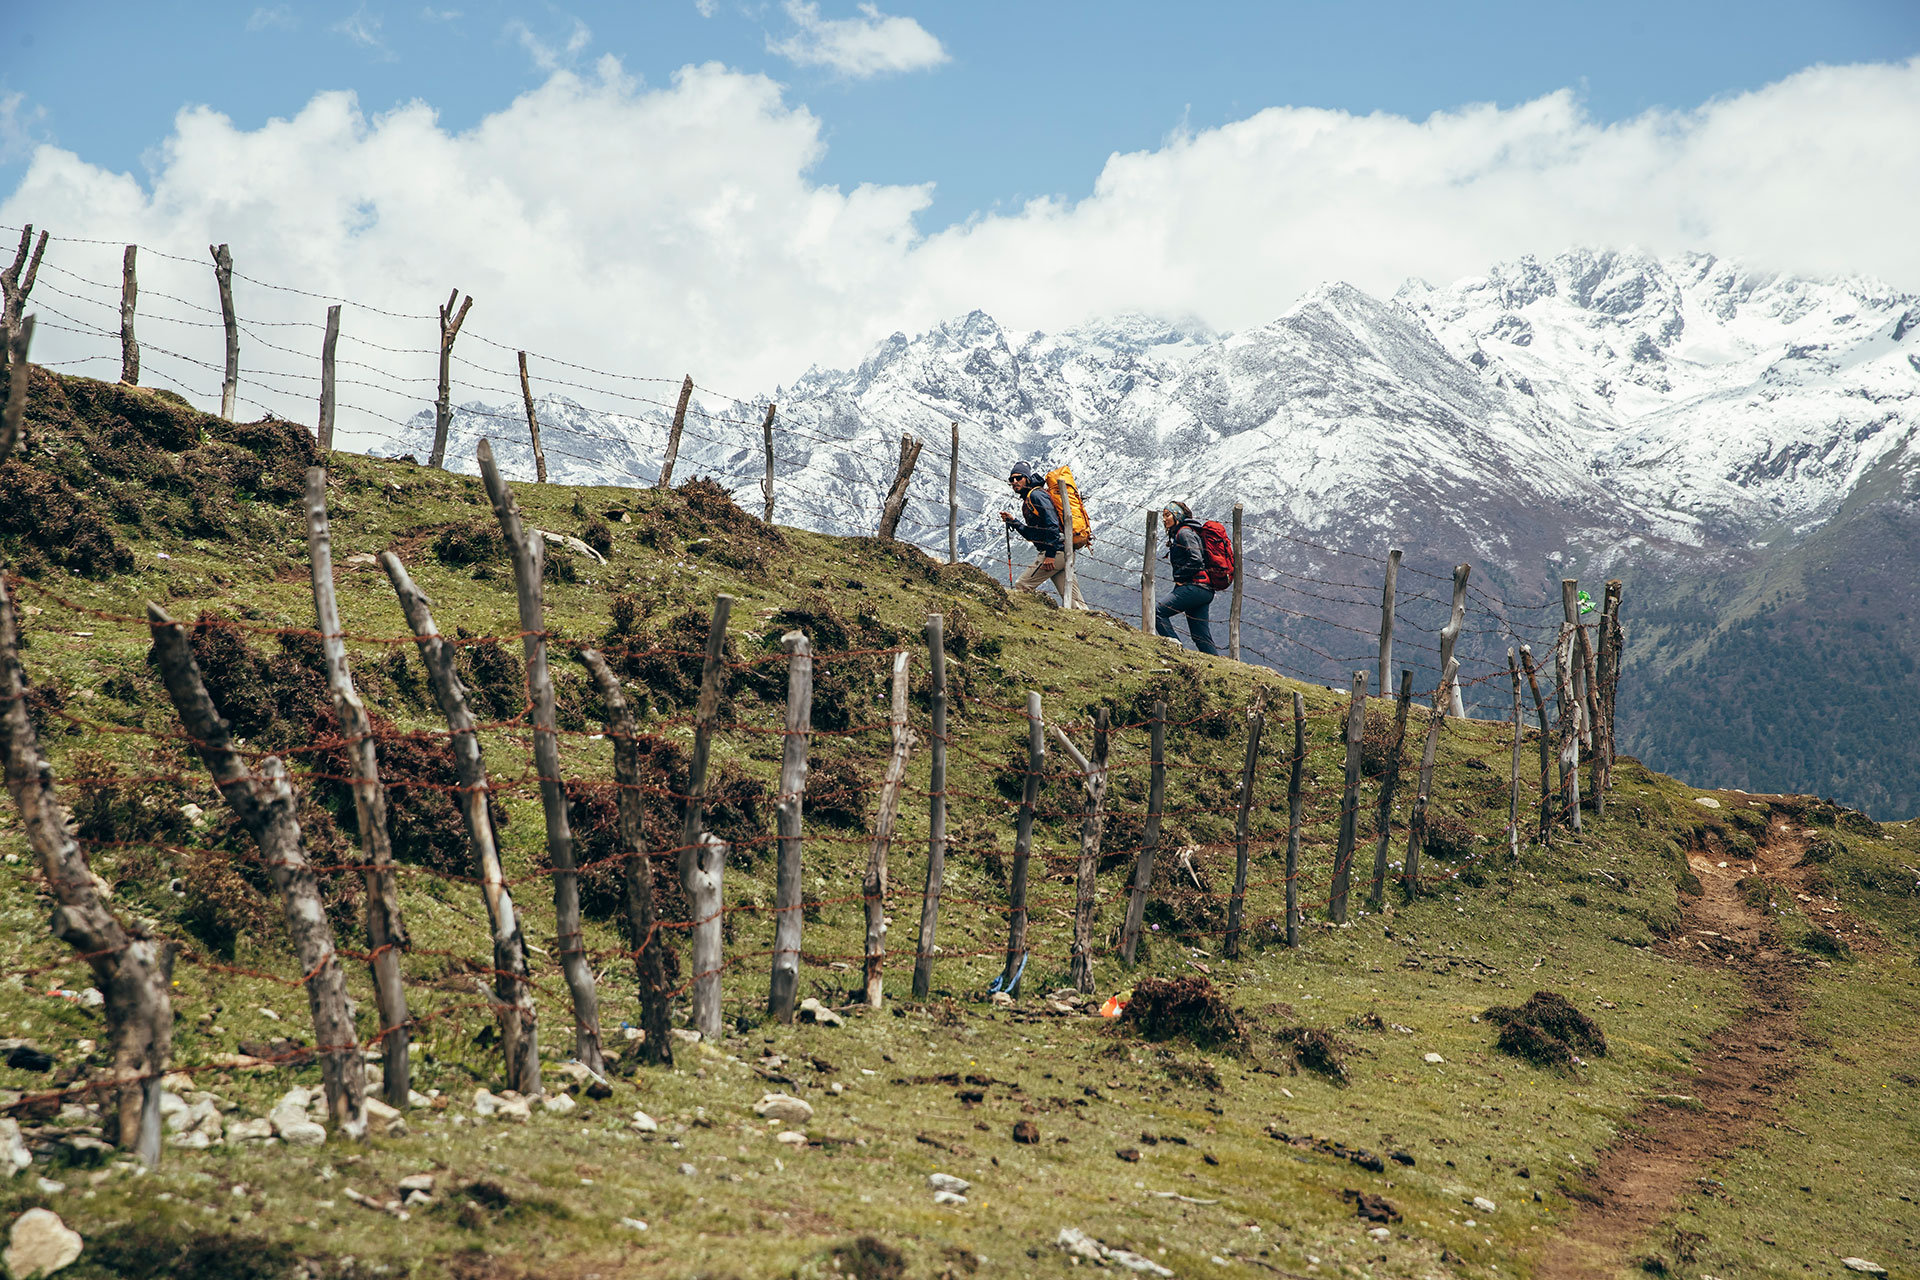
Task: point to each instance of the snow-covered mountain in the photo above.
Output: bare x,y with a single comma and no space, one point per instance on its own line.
1686,423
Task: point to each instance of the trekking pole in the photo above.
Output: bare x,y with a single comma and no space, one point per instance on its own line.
1008,530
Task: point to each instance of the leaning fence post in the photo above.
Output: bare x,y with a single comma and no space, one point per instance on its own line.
896,503
1383,815
386,935
14,288
953,497
1546,767
1239,584
450,322
1150,841
766,444
1010,977
1417,820
643,924
528,554
533,422
19,339
513,986
1349,802
1236,905
223,277
673,434
875,888
1093,778
698,863
1387,599
1513,800
788,918
324,428
936,811
1450,635
1293,817
1146,572
129,295
263,798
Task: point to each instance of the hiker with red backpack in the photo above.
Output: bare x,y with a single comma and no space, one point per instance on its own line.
1202,557
1040,523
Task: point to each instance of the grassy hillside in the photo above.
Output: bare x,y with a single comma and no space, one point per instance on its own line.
1229,1156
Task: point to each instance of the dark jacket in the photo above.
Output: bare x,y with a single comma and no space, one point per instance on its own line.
1188,553
1041,524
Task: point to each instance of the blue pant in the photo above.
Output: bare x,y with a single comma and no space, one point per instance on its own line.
1193,600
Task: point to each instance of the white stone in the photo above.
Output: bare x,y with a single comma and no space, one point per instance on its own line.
192,1140
48,1187
1485,1205
1002,998
518,1110
14,1155
644,1123
484,1102
686,1035
792,1138
296,1130
1380,1233
947,1182
948,1197
633,1224
1862,1265
414,1198
785,1108
416,1182
175,1114
1434,1059
558,1103
813,1011
41,1244
260,1130
418,1100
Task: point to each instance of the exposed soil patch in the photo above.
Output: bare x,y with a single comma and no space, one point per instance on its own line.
1665,1147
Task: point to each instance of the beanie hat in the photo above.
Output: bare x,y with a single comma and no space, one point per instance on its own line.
1020,471
1180,509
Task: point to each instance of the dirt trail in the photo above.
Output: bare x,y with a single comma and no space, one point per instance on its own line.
1665,1148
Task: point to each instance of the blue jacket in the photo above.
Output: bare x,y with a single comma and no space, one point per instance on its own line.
1041,522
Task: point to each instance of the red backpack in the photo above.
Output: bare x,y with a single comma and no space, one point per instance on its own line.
1218,575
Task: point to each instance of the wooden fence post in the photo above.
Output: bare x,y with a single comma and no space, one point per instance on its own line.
1513,800
130,969
533,421
19,339
1546,766
1569,729
1349,802
705,896
1388,598
1293,818
953,497
1576,667
513,987
697,861
1611,638
1239,583
1389,783
788,919
673,434
262,797
936,811
386,934
1014,973
1450,635
223,277
528,554
14,287
129,295
875,888
1146,572
896,503
1150,841
643,924
324,429
766,445
1417,820
1237,903
1093,818
450,322
1596,735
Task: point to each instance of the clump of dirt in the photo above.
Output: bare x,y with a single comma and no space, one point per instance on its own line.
668,659
1378,743
1315,1048
1547,1030
495,679
742,542
598,534
1191,706
1182,898
1370,1206
153,1252
1187,1008
470,542
55,524
869,1258
1448,838
837,788
273,700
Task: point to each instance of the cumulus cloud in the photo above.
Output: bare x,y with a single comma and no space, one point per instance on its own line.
22,125
550,56
654,230
870,45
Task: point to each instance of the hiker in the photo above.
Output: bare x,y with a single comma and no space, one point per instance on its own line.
1192,589
1040,524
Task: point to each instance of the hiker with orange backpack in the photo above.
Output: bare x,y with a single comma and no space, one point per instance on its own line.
1202,558
1040,523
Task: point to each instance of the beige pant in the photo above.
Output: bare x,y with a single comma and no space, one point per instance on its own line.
1037,575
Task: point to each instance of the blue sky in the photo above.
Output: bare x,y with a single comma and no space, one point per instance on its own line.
1030,99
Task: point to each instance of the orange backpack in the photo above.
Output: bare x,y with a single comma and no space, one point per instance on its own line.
1066,497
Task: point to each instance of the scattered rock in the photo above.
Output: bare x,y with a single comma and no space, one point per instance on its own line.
1078,1244
813,1011
1433,1059
1863,1266
1026,1131
485,1103
1130,1154
416,1182
1708,801
14,1155
1380,1233
382,1118
633,1224
685,1035
1000,998
948,1198
1485,1205
558,1103
785,1108
40,1244
291,1121
791,1137
687,1170
177,1117
947,1182
418,1100
1370,1206
644,1123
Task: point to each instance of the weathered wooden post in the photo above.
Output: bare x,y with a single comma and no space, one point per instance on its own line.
896,503
1596,732
766,444
701,863
1389,783
1293,817
788,918
875,887
386,934
1146,572
1513,800
223,277
450,322
1349,802
1450,635
1093,776
19,338
1239,582
513,987
1237,903
129,295
1574,666
643,925
528,555
1011,976
1569,728
1387,601
130,969
1611,642
14,287
936,810
673,434
1546,766
953,497
705,895
533,421
1417,820
262,798
324,427
1150,841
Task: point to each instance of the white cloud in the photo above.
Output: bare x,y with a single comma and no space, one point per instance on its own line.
430,14
706,8
550,57
21,126
276,17
870,45
363,29
663,229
